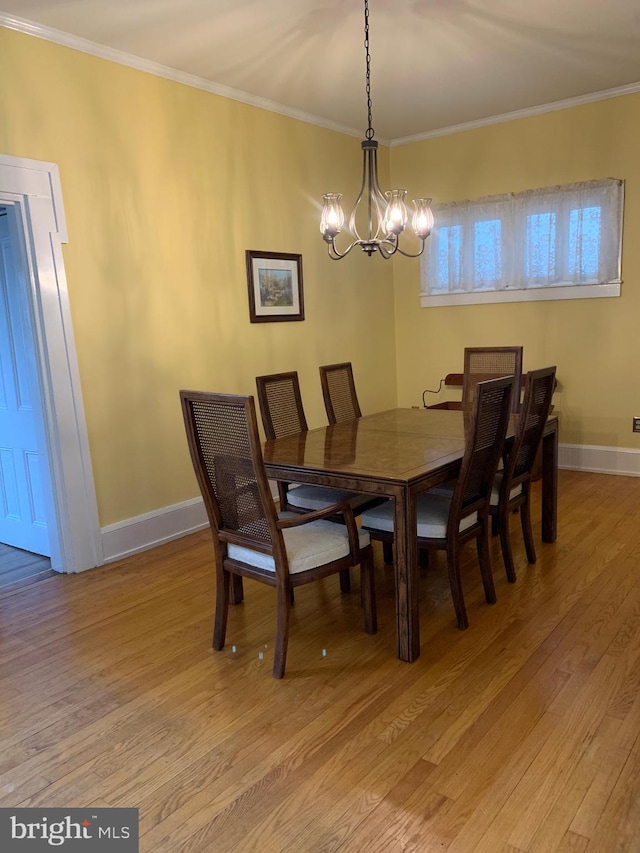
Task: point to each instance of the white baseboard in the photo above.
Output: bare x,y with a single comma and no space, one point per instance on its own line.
133,535
154,528
600,460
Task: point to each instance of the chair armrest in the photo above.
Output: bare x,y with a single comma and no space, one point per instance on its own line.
343,509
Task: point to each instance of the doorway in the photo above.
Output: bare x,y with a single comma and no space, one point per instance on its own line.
25,490
30,193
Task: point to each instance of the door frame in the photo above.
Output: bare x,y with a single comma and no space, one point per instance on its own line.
33,188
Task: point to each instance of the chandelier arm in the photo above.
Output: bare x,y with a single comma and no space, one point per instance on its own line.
376,196
353,228
409,254
375,183
334,254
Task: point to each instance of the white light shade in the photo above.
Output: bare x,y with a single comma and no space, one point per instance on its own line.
422,221
332,216
395,216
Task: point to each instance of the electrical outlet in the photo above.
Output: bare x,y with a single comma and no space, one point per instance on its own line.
636,424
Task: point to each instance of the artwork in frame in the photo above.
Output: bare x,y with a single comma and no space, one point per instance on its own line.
275,287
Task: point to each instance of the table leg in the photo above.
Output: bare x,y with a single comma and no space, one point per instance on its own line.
550,486
406,572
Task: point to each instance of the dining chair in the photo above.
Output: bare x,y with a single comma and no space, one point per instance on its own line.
250,539
447,521
512,486
482,363
339,392
282,415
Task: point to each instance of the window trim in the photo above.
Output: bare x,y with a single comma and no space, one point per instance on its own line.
524,294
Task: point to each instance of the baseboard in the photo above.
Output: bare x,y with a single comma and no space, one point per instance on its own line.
153,528
133,535
600,459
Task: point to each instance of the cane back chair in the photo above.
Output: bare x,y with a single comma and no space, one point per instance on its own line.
511,490
249,538
282,415
446,522
339,392
482,363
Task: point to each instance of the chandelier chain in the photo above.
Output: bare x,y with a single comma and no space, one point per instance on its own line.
369,133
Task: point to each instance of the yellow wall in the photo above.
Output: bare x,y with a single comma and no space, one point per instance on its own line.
593,342
164,188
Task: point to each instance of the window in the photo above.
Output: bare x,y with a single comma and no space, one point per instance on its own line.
554,243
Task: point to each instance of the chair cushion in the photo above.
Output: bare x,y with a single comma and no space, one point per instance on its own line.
308,546
444,489
432,511
495,490
318,497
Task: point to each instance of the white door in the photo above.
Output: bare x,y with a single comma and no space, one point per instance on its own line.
22,507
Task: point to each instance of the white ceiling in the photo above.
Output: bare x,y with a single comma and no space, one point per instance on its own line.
435,63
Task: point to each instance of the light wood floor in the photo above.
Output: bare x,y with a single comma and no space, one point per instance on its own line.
520,734
21,568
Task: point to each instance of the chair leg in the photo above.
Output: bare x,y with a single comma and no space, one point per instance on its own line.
505,544
495,525
222,609
387,552
527,532
345,580
423,558
282,631
368,587
485,566
456,587
237,590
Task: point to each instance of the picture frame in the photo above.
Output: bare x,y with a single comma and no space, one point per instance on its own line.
275,287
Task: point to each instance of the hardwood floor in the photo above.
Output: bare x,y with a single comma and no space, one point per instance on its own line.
520,734
21,568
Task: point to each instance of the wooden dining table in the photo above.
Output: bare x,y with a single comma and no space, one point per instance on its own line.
398,454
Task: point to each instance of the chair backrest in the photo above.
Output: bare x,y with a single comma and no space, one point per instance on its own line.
485,431
339,392
482,363
281,404
222,433
536,405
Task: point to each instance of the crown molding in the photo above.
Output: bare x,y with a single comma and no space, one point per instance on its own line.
605,94
31,28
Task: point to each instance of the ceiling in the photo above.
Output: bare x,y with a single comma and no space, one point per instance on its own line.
435,63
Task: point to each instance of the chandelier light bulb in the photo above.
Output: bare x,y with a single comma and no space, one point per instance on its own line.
332,216
422,221
395,217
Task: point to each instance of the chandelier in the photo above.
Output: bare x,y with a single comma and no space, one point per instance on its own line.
384,215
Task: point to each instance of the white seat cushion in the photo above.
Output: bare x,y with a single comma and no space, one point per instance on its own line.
308,546
444,489
495,490
432,511
318,497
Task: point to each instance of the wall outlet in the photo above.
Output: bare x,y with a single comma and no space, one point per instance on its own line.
636,424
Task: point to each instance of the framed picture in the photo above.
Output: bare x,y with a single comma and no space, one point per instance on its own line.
275,287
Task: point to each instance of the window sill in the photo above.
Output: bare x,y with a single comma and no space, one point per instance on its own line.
530,294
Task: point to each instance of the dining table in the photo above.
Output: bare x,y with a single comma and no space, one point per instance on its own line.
398,454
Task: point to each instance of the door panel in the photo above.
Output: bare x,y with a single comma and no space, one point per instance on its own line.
22,507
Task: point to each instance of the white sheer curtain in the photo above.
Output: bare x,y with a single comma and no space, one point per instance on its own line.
566,235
